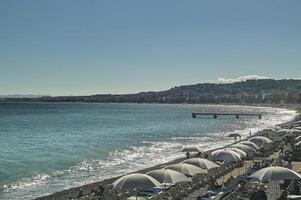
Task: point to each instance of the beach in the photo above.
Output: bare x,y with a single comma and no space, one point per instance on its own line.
140,100
85,190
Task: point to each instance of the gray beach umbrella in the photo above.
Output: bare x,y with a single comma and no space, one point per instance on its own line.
249,150
250,144
242,154
295,132
298,139
202,163
298,144
274,174
135,181
297,128
168,176
261,141
191,149
225,155
187,169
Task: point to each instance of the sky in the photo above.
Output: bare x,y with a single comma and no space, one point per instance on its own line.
76,47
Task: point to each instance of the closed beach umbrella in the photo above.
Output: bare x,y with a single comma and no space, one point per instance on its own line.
261,141
250,144
202,163
225,155
168,176
187,169
297,122
298,139
274,174
191,149
242,154
295,132
297,128
283,132
249,150
298,144
135,181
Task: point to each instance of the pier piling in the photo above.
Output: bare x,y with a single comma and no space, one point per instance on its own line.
237,115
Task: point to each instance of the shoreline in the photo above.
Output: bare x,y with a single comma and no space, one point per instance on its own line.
87,188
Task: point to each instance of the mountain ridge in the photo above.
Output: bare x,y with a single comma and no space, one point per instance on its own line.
249,91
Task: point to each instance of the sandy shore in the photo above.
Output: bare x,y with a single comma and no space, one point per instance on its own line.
72,193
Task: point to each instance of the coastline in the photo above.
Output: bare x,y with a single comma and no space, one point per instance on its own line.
87,188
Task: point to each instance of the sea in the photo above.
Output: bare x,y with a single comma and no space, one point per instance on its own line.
49,147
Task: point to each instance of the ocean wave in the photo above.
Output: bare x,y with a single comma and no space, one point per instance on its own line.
119,162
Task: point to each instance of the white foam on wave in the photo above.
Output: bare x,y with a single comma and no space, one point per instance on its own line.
27,182
133,158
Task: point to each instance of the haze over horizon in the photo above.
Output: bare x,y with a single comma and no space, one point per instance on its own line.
219,80
74,48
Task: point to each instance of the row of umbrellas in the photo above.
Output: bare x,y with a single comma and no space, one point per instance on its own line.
296,130
157,177
171,174
239,151
276,173
181,172
273,173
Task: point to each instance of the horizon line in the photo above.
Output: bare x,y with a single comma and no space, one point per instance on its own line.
32,95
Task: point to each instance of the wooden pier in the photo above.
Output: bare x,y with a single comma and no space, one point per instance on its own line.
259,115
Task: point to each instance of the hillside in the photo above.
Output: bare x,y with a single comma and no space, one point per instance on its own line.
250,91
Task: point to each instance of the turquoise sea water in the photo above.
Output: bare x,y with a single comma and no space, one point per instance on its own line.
46,147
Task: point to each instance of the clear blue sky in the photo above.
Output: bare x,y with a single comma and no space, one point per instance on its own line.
63,47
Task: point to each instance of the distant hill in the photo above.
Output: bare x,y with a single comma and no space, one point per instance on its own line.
17,96
249,91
